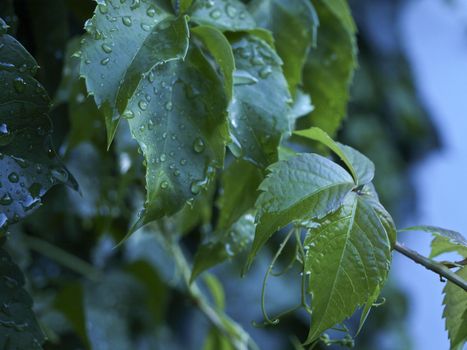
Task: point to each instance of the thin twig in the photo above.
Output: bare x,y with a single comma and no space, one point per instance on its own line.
64,258
432,265
239,339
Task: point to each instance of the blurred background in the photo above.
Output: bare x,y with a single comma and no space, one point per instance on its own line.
407,113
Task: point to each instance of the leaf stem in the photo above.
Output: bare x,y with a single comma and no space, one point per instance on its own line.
64,258
266,277
239,339
432,265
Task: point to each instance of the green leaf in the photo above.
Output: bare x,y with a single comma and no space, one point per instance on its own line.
29,166
231,15
239,192
259,111
304,187
216,290
18,326
217,341
180,124
330,65
294,25
361,168
113,306
348,259
225,245
455,312
168,41
115,35
69,301
444,240
301,106
181,6
86,121
219,47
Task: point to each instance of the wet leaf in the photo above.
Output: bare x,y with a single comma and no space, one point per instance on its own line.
29,165
259,111
294,25
239,183
18,326
219,47
348,255
361,168
117,34
444,240
304,187
225,15
224,245
87,122
330,65
181,129
455,312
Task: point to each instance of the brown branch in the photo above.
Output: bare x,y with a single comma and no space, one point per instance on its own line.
432,265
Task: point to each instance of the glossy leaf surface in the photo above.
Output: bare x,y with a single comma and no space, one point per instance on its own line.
259,110
294,26
229,15
18,326
348,258
29,166
330,65
304,187
455,312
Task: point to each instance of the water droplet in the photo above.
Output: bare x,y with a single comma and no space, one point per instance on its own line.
177,173
164,185
106,48
19,84
198,145
128,114
105,61
13,177
195,187
265,72
6,199
229,250
183,162
126,20
151,77
10,282
150,124
151,11
143,105
163,157
89,25
103,9
145,27
169,106
135,4
209,3
3,26
5,135
215,14
257,61
60,174
231,10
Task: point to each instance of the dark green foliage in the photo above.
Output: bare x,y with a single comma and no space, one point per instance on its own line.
181,131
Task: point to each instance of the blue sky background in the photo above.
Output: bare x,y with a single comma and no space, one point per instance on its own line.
434,35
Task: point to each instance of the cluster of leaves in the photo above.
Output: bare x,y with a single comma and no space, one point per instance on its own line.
212,91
